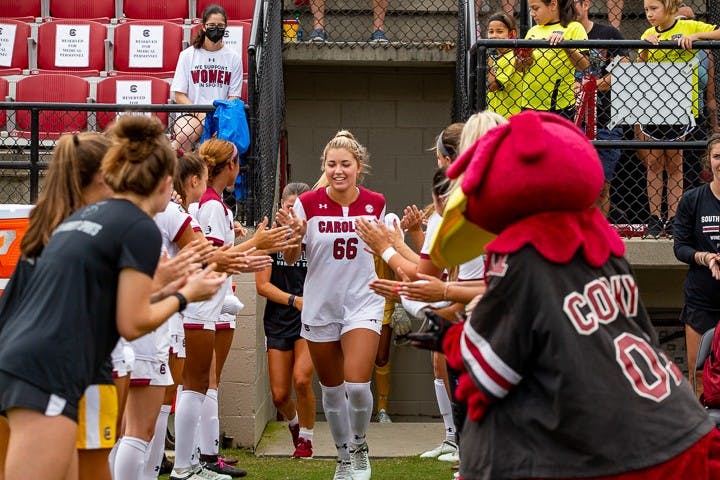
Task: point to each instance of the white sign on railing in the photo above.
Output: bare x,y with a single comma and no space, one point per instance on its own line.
146,46
72,46
7,43
638,99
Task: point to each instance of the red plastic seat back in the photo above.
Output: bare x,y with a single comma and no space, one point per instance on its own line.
48,35
101,10
19,58
156,9
20,9
235,9
131,89
237,36
56,88
126,62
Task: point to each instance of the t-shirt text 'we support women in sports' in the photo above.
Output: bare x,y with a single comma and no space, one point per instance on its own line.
206,76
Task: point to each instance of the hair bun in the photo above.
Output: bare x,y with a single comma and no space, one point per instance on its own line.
138,128
345,134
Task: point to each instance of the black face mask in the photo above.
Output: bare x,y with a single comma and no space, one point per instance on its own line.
215,34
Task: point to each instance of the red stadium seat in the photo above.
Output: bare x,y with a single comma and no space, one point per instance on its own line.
57,88
241,46
147,61
82,58
14,54
98,10
175,11
235,9
25,10
119,89
4,89
244,94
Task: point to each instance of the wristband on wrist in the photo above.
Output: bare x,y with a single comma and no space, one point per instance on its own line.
181,299
445,291
388,254
291,300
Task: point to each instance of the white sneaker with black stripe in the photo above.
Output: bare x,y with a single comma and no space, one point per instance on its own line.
360,460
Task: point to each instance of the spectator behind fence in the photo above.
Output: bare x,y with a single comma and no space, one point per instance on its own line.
549,74
600,58
504,81
707,107
664,26
696,241
320,35
614,9
206,71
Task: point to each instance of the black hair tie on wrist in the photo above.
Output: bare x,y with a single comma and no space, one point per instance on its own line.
182,300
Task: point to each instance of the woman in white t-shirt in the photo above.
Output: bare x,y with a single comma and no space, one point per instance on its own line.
206,71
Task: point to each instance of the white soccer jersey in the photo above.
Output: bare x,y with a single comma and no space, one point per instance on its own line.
216,223
339,267
473,269
432,225
206,76
172,222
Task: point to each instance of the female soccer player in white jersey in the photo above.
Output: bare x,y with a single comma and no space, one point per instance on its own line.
140,451
341,317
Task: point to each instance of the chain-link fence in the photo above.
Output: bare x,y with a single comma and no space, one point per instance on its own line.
370,23
32,129
267,99
648,109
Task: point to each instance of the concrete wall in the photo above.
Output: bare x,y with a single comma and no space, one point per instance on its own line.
395,112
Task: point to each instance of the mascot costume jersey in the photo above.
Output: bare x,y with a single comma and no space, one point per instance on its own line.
561,367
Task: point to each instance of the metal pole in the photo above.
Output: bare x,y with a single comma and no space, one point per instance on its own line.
525,22
481,79
34,154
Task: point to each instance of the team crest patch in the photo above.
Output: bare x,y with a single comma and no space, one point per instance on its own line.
498,265
369,208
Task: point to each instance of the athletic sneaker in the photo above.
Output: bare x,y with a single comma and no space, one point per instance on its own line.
222,468
655,227
343,471
318,35
295,432
450,457
447,446
378,36
199,473
360,461
303,449
383,417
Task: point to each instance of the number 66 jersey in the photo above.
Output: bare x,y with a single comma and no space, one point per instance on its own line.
339,268
575,380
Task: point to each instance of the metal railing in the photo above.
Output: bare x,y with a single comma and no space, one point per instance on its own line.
25,147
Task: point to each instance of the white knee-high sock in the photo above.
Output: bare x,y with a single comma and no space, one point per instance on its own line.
335,405
130,458
445,409
209,433
187,413
157,445
113,456
360,402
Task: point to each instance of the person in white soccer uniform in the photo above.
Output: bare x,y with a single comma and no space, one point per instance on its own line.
140,451
206,71
205,337
341,317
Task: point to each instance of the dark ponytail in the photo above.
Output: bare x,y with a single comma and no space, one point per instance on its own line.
567,11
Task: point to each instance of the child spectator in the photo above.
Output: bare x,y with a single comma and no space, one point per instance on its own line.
549,74
664,26
504,81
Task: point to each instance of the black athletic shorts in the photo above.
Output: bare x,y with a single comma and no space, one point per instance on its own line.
284,344
17,393
699,320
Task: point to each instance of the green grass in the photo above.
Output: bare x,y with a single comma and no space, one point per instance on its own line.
272,468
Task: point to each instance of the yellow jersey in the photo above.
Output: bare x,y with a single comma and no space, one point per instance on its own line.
680,28
548,83
507,99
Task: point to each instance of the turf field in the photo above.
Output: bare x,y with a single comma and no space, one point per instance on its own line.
272,468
